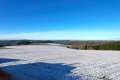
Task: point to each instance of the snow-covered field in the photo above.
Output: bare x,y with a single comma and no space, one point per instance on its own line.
47,62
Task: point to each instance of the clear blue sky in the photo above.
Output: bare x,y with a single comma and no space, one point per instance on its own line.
60,19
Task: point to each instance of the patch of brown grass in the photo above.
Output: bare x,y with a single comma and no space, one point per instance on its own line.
4,76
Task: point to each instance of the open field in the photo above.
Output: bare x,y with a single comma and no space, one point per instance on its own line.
35,62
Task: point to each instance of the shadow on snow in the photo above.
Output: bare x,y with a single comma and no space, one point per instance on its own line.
5,60
39,71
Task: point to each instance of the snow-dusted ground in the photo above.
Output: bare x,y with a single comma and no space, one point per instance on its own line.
47,62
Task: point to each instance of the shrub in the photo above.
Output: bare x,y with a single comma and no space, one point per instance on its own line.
4,76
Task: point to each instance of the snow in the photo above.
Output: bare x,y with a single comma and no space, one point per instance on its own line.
55,62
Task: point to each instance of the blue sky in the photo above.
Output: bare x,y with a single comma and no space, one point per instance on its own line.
60,19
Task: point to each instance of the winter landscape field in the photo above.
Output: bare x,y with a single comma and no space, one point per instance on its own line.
56,62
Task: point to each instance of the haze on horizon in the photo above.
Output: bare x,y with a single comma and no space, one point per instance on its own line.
60,19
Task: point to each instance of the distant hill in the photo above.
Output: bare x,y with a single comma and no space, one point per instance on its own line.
76,44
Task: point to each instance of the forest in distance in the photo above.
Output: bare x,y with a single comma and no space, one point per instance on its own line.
74,44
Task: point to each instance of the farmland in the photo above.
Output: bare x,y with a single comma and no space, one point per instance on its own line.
55,62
